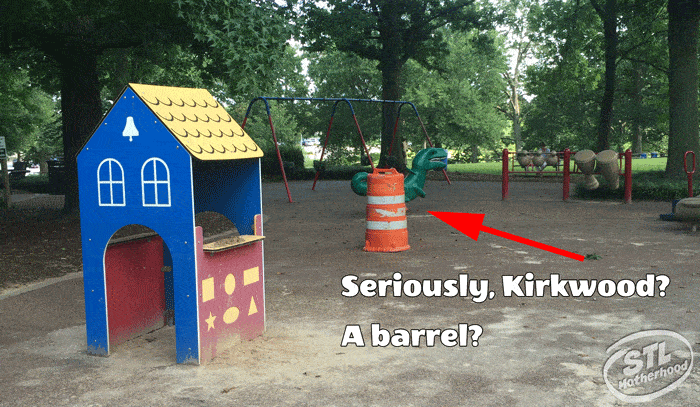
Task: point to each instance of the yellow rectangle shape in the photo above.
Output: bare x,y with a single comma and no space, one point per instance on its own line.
208,289
251,276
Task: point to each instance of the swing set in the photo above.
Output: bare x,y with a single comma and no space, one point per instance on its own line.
335,101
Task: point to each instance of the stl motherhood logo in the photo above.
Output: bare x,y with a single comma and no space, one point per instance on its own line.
647,364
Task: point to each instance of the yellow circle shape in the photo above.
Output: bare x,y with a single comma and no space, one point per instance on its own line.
231,315
230,284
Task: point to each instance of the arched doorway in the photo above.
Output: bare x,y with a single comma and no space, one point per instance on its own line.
138,275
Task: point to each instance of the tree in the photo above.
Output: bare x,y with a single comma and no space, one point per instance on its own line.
25,110
389,32
340,74
565,76
641,105
458,98
608,14
515,16
75,35
683,24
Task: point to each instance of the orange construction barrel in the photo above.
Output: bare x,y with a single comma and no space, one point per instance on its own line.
386,212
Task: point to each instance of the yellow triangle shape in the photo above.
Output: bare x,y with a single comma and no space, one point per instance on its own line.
253,309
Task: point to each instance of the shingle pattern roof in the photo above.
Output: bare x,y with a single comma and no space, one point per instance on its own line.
199,122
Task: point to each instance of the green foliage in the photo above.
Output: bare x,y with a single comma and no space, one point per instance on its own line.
38,184
27,118
293,157
258,125
362,27
565,78
337,155
342,172
234,44
458,98
158,64
389,32
46,142
647,186
246,37
337,74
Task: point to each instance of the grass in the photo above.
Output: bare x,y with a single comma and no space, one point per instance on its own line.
648,179
494,167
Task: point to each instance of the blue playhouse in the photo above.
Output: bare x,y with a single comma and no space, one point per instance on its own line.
160,156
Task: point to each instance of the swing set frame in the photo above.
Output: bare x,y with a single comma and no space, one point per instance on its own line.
336,101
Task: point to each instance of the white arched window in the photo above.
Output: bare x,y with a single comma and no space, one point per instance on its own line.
110,183
155,183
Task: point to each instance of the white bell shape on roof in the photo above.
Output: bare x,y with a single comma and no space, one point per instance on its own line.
130,129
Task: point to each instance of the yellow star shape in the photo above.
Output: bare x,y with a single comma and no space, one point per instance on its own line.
210,321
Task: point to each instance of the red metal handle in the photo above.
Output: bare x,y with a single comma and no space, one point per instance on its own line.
685,162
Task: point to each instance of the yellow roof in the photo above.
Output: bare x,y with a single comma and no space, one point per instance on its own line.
199,122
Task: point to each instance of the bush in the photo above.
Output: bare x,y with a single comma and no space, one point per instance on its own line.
292,156
649,186
38,184
342,172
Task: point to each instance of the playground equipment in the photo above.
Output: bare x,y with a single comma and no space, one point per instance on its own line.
607,164
585,159
538,160
524,159
160,156
687,209
386,212
426,160
535,161
335,101
586,162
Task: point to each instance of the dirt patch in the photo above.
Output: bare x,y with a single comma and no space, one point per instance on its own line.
38,242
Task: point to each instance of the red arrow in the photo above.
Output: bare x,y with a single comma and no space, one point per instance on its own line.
472,223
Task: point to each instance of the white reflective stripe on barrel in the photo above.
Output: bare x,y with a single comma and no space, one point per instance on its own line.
385,200
384,213
394,225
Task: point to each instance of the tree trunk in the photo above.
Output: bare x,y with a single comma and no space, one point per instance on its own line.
637,98
609,17
391,91
475,154
81,107
683,20
517,131
391,65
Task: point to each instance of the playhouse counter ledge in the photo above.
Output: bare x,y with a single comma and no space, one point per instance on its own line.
228,240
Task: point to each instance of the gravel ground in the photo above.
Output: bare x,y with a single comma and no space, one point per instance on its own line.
533,350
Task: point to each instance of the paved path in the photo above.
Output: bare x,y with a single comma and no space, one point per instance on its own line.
534,351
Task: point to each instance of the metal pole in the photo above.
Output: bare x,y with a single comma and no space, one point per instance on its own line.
504,175
265,99
274,138
628,176
325,143
6,181
567,173
429,141
689,173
